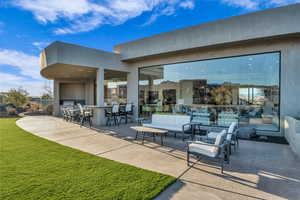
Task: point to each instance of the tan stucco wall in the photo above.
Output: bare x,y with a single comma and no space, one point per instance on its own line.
290,67
72,91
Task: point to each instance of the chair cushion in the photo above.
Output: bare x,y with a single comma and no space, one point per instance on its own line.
169,122
220,138
170,119
199,148
164,126
213,135
232,127
128,107
229,137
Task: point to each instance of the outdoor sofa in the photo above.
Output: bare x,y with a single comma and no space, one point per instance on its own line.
174,123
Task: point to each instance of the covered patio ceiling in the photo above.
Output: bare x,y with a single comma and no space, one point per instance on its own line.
66,71
75,72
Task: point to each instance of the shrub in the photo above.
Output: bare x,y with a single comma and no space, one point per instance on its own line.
49,109
11,111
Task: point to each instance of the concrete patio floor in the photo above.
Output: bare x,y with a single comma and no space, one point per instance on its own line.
257,171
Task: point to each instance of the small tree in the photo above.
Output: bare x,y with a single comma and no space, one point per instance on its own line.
47,94
222,95
46,97
47,91
17,97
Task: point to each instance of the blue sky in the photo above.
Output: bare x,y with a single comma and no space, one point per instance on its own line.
27,26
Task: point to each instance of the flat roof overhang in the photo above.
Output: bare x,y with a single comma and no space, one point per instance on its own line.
268,24
67,61
60,71
66,71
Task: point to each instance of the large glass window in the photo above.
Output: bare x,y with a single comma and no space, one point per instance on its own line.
115,87
218,91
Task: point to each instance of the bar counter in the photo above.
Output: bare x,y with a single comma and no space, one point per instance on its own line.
98,114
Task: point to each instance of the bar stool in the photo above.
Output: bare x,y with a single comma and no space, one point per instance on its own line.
125,112
112,115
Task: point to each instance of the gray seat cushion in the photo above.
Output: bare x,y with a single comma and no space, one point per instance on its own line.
220,138
213,135
199,148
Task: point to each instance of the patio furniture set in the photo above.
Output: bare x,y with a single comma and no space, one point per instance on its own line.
214,144
114,114
117,113
78,114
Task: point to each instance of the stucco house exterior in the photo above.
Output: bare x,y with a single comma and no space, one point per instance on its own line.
246,66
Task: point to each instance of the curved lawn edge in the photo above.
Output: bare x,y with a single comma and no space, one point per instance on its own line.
36,168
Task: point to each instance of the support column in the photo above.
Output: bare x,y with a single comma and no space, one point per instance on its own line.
98,112
100,87
133,89
89,92
56,98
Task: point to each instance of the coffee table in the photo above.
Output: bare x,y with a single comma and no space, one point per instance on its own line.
152,131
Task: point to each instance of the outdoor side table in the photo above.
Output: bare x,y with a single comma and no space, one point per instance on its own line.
151,131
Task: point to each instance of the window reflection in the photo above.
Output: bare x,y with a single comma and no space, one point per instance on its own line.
219,91
115,87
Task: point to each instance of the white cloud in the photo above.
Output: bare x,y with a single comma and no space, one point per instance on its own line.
9,81
86,15
27,64
247,4
170,9
45,11
283,2
187,4
258,4
40,45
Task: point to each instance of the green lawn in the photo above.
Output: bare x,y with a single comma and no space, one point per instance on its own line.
35,168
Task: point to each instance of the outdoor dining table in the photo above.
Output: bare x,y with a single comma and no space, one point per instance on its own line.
152,131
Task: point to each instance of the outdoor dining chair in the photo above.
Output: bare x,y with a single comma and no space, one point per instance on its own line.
85,115
125,112
64,114
112,115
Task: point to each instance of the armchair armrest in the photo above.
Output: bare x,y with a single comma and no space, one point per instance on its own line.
190,124
204,139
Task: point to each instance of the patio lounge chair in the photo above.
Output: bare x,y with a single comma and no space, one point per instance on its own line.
231,136
217,150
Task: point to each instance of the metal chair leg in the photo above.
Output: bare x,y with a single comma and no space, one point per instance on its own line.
81,122
90,122
222,165
143,137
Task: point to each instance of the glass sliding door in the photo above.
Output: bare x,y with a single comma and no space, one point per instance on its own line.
217,91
